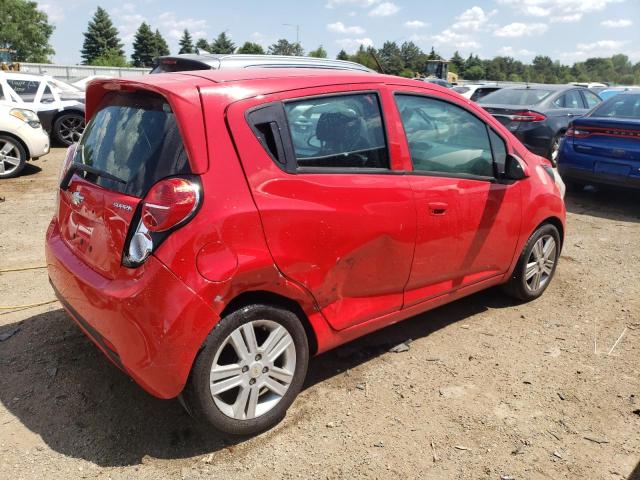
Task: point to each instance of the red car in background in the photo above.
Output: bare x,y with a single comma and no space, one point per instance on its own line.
216,228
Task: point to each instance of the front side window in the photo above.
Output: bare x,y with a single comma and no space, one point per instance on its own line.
444,138
344,131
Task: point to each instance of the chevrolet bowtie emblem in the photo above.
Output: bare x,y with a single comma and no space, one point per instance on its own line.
77,198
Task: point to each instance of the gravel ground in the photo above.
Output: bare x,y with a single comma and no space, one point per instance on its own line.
488,388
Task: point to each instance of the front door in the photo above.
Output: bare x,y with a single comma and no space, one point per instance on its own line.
468,223
337,218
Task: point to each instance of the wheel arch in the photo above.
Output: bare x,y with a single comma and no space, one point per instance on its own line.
269,298
67,112
556,222
19,140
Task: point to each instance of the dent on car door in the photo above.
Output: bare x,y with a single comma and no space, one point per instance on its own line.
336,218
468,224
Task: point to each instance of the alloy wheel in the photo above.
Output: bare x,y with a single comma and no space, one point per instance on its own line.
252,369
540,263
70,129
9,157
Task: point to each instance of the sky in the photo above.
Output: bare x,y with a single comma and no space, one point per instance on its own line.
566,30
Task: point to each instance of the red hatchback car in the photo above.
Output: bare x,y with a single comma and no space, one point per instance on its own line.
215,228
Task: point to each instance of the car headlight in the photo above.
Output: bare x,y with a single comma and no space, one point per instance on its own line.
26,116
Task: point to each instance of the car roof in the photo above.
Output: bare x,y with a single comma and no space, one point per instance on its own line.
301,76
544,86
224,61
22,76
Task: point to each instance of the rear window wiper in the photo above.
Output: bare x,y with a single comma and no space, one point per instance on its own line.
82,167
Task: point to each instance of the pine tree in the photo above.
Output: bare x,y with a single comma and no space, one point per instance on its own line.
222,44
285,47
144,46
202,44
251,48
319,52
186,43
101,38
342,55
161,47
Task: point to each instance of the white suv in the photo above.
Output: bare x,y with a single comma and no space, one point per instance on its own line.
59,105
21,138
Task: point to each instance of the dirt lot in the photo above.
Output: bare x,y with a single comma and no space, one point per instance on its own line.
488,388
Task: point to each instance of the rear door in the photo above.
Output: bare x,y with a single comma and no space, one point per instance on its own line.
338,219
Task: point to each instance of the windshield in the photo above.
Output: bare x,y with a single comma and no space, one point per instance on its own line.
134,137
624,105
516,96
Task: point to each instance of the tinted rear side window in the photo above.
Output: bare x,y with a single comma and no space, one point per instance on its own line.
135,137
516,96
343,131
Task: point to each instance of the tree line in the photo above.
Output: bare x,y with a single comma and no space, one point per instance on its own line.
27,32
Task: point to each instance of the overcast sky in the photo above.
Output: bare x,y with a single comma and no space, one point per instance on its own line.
567,30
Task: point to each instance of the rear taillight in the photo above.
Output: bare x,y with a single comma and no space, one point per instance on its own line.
528,116
577,133
169,203
71,151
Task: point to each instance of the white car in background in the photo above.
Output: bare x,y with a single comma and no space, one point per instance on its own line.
475,92
21,138
83,82
59,105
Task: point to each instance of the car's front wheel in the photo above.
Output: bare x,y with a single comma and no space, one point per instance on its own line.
68,128
250,370
537,264
13,157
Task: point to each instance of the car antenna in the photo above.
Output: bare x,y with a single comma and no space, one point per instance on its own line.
375,59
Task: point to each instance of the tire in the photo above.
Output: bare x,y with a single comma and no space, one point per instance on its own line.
573,187
230,411
554,149
13,156
523,288
68,128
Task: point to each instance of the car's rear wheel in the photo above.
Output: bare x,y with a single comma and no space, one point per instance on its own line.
13,157
68,128
537,264
250,370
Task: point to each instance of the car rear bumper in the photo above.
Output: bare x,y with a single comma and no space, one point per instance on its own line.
147,322
580,167
570,173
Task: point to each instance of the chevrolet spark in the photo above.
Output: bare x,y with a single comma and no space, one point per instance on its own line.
214,229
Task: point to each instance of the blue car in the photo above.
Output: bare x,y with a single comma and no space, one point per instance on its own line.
603,147
613,91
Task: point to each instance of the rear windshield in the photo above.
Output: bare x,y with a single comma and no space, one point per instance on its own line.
461,89
624,105
516,96
133,136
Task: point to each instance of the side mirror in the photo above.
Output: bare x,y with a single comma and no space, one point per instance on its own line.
513,169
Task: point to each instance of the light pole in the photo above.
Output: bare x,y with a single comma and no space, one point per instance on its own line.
297,30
